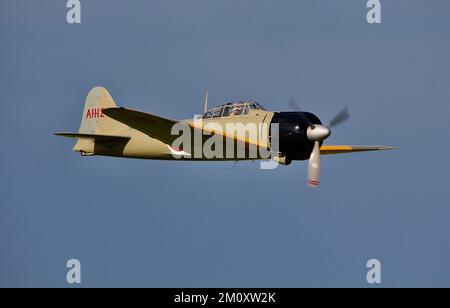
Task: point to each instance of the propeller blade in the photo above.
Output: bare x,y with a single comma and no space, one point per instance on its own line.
340,118
293,105
314,166
316,134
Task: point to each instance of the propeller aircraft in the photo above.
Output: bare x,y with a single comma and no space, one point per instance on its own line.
283,137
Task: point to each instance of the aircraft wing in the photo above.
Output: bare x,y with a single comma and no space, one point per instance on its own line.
343,149
158,127
149,124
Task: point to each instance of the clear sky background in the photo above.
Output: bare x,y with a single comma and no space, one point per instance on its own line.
171,224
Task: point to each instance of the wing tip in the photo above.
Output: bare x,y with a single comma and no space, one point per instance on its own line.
62,134
388,148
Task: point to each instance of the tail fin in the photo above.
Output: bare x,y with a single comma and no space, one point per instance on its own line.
93,120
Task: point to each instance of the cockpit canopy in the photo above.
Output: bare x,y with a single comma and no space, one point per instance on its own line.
232,109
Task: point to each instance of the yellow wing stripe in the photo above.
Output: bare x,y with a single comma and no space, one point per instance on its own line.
342,149
234,137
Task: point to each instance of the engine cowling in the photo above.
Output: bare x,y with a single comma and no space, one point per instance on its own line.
293,140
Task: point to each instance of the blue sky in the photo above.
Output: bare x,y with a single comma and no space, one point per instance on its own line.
172,224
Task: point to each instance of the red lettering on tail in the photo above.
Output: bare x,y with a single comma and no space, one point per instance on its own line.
94,113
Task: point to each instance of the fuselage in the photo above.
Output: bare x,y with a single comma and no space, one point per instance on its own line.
293,143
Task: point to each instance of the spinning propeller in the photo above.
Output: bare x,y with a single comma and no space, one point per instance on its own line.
318,133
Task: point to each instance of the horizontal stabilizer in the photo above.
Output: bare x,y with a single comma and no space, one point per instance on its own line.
95,137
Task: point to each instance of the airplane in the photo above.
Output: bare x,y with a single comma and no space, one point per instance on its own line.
109,130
